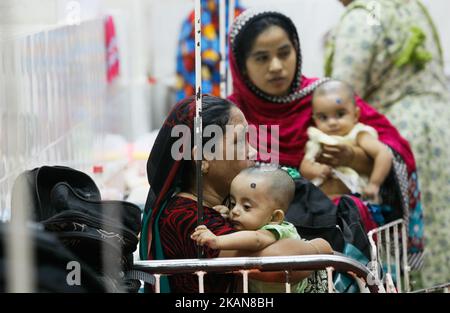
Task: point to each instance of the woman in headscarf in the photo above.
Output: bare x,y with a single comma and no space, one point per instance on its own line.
185,77
390,51
270,89
171,210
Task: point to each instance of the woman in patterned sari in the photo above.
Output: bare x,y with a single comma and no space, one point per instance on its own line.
170,215
389,50
185,76
270,89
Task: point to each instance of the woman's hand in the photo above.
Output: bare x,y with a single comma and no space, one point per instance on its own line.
204,237
223,210
336,155
346,155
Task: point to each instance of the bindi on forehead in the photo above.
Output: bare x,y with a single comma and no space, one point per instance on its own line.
253,185
338,101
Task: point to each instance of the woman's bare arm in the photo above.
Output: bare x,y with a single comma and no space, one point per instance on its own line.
346,155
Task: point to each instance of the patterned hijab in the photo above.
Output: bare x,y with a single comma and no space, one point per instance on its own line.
168,173
164,172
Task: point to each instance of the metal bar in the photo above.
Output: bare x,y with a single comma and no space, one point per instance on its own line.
198,56
373,253
244,281
231,9
223,54
157,283
201,285
362,285
444,287
330,279
405,259
280,263
379,250
288,281
388,225
390,288
387,234
198,115
20,269
397,259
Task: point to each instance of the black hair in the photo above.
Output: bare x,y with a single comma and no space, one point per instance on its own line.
215,111
245,39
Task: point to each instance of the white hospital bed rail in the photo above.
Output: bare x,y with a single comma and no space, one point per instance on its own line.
244,265
386,243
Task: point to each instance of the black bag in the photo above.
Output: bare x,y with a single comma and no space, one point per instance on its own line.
51,261
315,216
32,189
104,234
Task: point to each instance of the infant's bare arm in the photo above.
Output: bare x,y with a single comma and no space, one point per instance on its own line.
249,240
310,169
382,161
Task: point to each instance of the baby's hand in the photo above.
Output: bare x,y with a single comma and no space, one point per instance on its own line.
223,210
370,193
324,171
204,237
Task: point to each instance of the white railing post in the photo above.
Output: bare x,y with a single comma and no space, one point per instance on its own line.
377,248
157,283
231,8
244,281
201,285
330,279
223,53
388,250
405,258
288,281
397,260
271,264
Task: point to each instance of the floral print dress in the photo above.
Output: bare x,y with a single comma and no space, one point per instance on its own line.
185,76
389,51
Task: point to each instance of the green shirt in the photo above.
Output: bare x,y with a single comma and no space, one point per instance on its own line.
281,231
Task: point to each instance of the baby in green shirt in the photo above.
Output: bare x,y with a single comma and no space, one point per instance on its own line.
259,199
